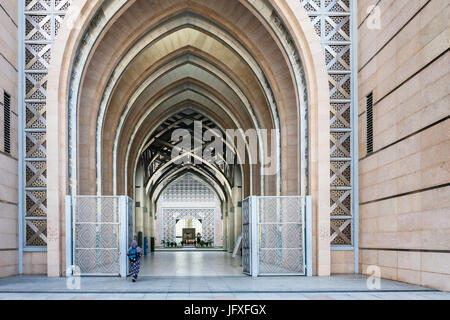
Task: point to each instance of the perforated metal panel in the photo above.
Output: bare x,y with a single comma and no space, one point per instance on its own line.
273,228
246,236
281,235
96,234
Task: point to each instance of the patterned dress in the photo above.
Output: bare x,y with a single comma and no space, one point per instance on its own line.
136,265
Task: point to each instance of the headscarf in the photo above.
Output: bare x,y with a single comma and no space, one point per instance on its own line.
134,245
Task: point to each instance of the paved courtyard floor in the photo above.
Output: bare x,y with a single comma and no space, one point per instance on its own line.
191,263
208,276
351,287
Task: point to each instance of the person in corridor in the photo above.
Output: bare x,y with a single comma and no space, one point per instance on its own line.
199,238
134,255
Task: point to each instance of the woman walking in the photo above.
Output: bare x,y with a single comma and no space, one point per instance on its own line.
134,255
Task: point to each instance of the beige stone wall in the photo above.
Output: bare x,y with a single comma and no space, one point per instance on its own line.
342,261
35,263
404,184
9,163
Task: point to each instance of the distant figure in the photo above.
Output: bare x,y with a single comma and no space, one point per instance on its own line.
134,255
199,238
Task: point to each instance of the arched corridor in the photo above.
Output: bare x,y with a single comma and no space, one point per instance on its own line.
161,90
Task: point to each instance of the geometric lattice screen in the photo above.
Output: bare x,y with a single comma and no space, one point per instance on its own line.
43,19
246,259
96,235
188,189
273,236
281,235
332,20
207,217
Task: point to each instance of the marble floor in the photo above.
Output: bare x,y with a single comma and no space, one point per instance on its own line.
208,276
190,263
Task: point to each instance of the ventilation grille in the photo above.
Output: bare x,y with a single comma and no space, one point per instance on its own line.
7,122
369,111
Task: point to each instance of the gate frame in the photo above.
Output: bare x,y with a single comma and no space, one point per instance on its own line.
306,204
123,234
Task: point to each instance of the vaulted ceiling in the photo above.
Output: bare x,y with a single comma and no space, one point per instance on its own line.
161,65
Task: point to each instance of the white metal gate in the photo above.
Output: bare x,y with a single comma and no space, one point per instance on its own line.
246,259
99,230
274,236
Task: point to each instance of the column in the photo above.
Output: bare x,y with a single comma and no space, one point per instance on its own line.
231,239
225,225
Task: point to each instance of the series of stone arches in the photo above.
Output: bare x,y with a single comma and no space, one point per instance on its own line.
95,150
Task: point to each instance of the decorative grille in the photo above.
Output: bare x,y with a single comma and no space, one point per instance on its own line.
43,19
281,235
246,236
206,216
96,234
273,236
332,20
188,189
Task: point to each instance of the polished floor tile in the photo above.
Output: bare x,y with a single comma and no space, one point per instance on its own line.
209,276
188,263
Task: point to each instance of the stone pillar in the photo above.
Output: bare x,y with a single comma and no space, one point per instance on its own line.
231,239
225,226
219,225
151,214
140,201
139,221
237,196
156,224
146,213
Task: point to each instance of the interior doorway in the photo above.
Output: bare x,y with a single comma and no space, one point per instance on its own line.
188,228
